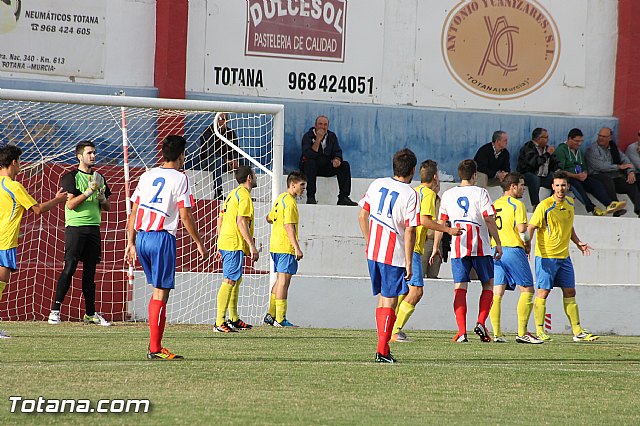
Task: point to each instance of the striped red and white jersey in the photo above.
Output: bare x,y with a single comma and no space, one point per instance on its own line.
160,194
466,207
393,206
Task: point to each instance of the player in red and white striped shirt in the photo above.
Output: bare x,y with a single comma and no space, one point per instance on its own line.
388,219
469,207
161,197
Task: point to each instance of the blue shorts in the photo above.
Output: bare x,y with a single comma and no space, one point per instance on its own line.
387,280
8,259
157,255
461,266
512,269
232,264
284,263
416,279
552,273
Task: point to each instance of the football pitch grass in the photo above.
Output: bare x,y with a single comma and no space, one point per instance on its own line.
318,376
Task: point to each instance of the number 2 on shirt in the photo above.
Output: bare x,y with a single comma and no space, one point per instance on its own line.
158,182
392,202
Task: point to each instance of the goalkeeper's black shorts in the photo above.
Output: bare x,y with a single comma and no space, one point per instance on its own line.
82,243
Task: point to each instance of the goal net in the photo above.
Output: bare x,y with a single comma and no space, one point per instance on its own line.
127,133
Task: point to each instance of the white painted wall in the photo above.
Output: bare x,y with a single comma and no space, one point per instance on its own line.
410,58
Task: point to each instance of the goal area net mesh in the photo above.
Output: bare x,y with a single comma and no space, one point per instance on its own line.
127,132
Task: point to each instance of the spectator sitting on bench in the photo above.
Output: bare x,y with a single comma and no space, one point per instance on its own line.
537,163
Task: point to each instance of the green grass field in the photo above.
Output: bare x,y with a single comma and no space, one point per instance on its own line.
318,376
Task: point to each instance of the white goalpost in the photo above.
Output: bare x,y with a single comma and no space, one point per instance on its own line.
127,132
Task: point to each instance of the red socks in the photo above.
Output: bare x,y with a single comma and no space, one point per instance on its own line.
486,300
460,309
385,318
157,320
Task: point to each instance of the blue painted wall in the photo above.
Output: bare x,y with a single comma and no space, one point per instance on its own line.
369,135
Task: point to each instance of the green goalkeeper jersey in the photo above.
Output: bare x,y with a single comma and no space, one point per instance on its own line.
88,213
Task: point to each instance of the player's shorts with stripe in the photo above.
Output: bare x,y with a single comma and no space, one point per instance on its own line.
552,273
82,243
232,264
157,254
8,259
461,267
512,269
387,280
417,276
284,263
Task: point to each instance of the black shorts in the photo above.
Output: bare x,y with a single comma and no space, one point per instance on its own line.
82,243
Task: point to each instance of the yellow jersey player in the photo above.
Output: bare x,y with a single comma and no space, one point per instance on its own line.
284,247
553,221
14,201
513,267
235,240
427,197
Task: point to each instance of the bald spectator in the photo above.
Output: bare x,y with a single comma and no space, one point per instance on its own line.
322,156
613,168
493,160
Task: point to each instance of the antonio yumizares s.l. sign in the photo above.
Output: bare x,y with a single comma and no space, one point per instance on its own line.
500,49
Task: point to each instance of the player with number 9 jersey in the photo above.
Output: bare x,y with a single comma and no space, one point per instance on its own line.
392,207
160,195
467,207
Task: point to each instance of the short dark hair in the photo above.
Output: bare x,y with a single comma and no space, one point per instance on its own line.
428,171
295,177
466,169
497,135
561,174
172,147
404,163
537,132
512,178
243,173
9,154
82,145
573,133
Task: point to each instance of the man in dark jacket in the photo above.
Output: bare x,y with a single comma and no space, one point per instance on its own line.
215,155
537,164
322,156
493,160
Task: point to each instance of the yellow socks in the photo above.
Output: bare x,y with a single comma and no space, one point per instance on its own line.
281,309
272,305
525,306
494,314
539,309
2,286
224,294
571,309
400,300
405,309
233,301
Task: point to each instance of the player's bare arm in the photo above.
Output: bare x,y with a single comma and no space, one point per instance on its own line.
243,227
190,225
429,223
290,228
437,237
493,231
130,254
60,197
585,248
409,243
363,220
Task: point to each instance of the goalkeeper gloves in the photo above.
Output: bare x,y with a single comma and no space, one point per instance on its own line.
101,197
95,184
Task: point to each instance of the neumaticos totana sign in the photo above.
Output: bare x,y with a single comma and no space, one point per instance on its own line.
296,29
